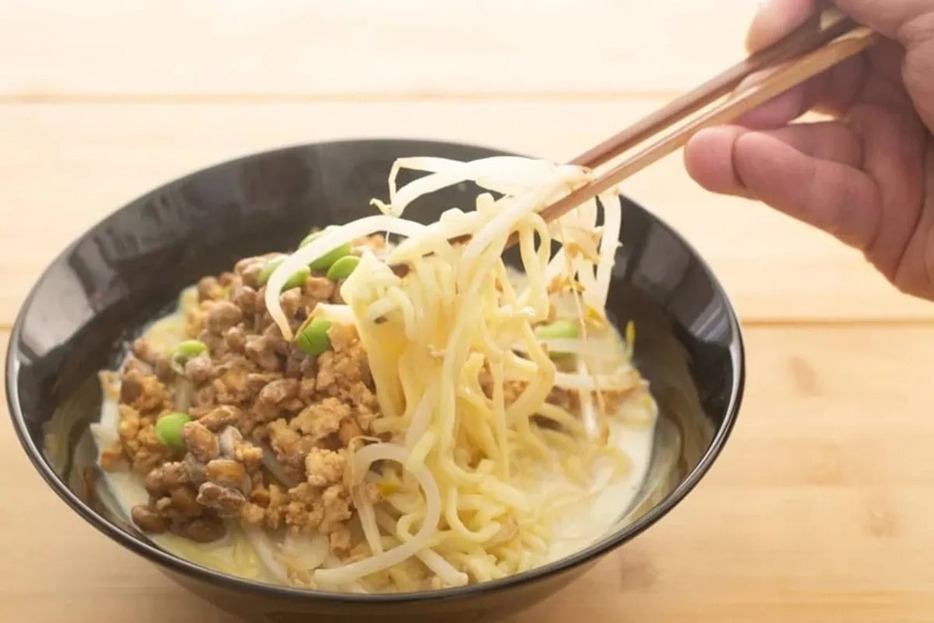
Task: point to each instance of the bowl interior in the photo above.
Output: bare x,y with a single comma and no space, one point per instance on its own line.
131,266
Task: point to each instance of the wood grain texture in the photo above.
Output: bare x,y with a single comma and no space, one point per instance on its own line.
363,48
818,510
67,166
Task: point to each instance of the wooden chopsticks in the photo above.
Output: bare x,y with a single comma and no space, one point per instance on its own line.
833,40
824,41
816,32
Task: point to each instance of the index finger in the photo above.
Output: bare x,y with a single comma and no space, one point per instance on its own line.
777,18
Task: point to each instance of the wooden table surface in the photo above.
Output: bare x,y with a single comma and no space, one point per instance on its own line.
820,507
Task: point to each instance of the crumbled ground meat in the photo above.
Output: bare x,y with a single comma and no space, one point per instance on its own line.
290,446
341,541
248,454
199,369
261,350
306,388
303,508
227,502
337,505
138,439
201,443
321,419
227,473
277,392
189,497
359,551
291,301
251,392
209,289
214,341
219,417
223,315
324,467
318,289
230,386
157,360
235,338
196,470
349,431
144,392
149,520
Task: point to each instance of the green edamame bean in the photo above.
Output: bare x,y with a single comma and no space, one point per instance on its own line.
296,280
557,330
169,429
313,337
342,268
189,348
325,261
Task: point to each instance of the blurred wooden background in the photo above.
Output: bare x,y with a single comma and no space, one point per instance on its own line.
819,507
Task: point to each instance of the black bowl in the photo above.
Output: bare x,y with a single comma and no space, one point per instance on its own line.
128,268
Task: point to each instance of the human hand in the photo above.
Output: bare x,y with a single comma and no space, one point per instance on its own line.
867,176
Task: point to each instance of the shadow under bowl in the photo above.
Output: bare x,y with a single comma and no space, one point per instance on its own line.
129,268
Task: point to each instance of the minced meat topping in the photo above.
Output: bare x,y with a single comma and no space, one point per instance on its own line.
270,427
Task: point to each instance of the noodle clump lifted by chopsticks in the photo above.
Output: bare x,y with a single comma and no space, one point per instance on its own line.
452,459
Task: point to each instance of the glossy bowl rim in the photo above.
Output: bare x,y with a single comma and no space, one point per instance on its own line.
166,560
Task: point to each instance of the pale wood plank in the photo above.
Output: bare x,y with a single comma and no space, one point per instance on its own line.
65,167
818,510
365,47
